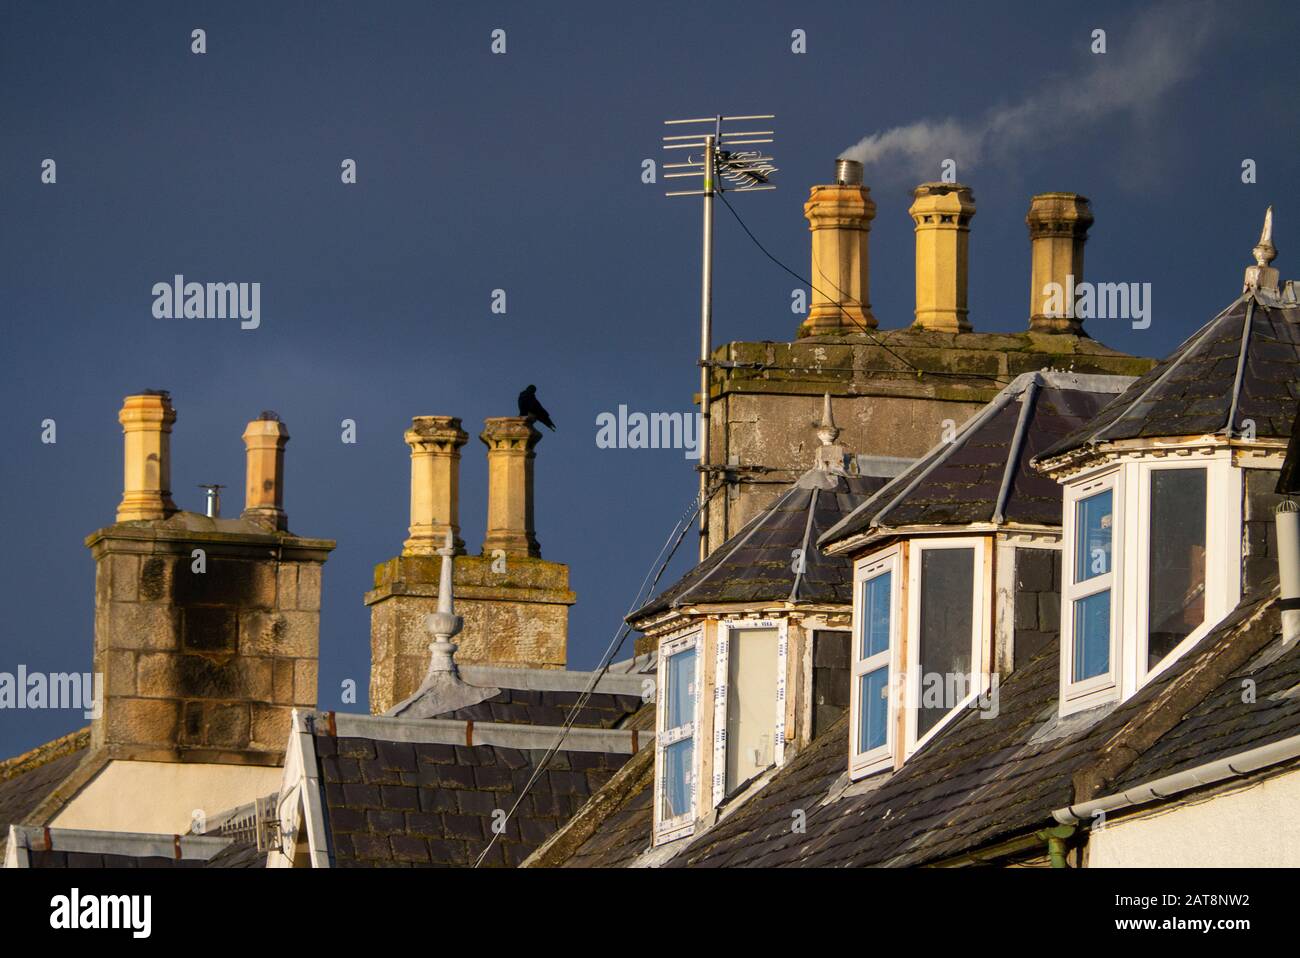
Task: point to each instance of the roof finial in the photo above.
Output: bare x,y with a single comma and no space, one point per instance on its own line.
444,624
1262,276
827,432
1265,252
830,457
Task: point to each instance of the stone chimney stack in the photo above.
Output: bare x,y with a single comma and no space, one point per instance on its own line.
435,443
146,420
206,629
839,216
1058,228
514,604
511,441
264,440
942,213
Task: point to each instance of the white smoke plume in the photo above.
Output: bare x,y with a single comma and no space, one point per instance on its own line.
1144,60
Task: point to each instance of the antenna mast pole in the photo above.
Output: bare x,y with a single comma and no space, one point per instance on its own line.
748,171
706,336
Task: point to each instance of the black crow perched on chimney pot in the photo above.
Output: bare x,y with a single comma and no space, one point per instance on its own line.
530,407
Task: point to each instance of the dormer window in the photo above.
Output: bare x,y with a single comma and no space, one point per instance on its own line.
1143,538
1089,591
749,702
876,592
921,646
947,660
678,723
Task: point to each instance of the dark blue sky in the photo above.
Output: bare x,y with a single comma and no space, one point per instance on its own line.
522,172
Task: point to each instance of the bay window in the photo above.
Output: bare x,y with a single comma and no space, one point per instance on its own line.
1144,541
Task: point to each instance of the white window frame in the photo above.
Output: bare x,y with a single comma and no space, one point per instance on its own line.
881,757
1222,538
721,674
668,829
981,615
1130,568
1077,696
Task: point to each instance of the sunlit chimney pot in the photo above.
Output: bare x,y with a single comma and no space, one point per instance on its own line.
435,443
511,441
839,216
264,441
942,213
1058,228
146,420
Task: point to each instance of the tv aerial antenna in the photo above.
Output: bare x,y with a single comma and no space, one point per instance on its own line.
721,152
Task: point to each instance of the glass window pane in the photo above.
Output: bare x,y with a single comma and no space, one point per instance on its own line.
947,592
1093,519
1092,636
874,709
1176,583
679,695
876,594
678,760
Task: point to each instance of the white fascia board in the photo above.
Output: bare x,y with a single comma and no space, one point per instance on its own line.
502,734
307,810
549,680
130,844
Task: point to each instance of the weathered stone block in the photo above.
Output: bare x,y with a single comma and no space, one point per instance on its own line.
124,574
300,635
304,682
156,674
143,721
132,625
287,585
270,727
282,682
156,576
119,672
228,726
309,574
209,629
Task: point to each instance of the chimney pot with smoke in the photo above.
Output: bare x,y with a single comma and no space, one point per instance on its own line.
839,216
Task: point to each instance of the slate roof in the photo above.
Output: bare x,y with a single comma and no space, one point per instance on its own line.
21,793
621,837
1288,482
237,855
755,564
1242,365
980,780
965,480
1225,724
429,804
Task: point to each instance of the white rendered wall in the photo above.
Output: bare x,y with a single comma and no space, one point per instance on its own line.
1253,827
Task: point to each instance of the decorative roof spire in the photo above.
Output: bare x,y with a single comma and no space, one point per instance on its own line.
1263,276
1265,252
827,432
830,456
444,624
